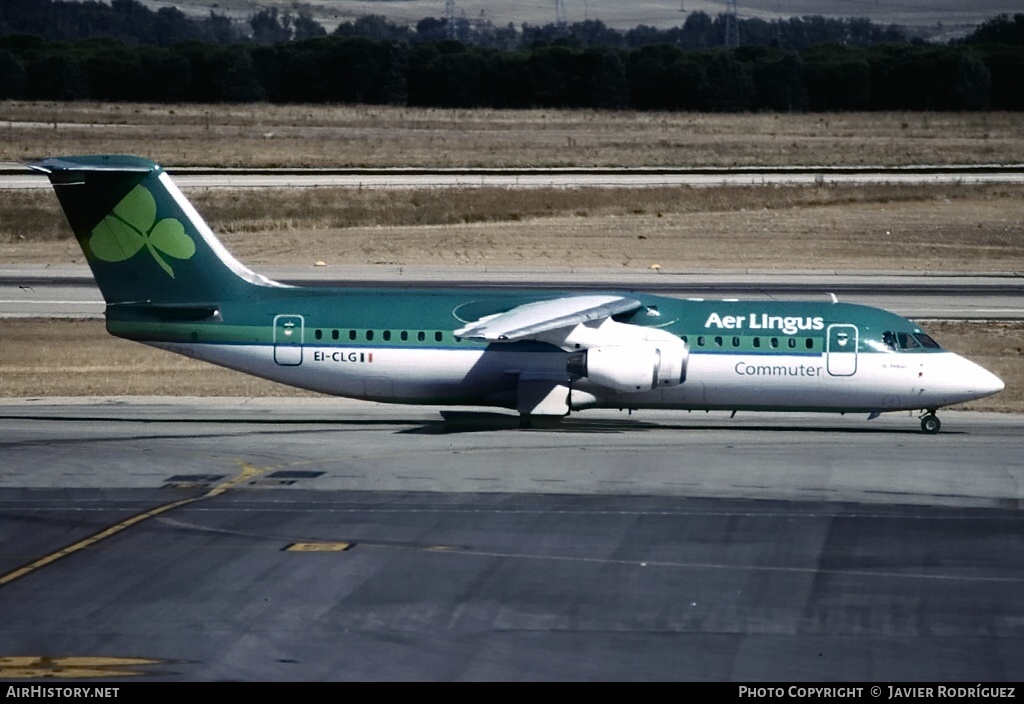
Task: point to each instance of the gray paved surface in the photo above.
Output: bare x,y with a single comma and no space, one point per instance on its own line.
652,546
16,176
69,291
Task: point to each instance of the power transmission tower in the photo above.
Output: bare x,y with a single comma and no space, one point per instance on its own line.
561,16
732,26
449,15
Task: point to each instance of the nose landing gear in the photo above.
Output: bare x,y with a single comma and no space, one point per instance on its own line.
930,423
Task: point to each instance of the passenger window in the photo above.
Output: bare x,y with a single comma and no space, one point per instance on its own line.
718,340
335,334
757,342
700,341
735,342
369,334
809,343
421,336
774,342
351,334
319,334
792,342
438,337
405,335
387,335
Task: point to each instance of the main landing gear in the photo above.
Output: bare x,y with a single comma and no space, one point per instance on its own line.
930,422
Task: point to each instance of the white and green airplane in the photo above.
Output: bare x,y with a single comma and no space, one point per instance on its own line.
168,282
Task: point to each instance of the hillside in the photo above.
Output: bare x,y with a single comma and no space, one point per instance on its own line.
936,19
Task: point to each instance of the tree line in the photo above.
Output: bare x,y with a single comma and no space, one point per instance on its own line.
133,23
985,71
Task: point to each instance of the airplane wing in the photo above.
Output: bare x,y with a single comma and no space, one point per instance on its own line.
543,316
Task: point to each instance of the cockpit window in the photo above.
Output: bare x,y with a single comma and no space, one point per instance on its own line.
907,341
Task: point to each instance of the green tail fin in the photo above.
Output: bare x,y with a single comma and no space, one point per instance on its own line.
144,241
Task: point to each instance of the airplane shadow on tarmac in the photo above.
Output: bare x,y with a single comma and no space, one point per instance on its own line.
453,422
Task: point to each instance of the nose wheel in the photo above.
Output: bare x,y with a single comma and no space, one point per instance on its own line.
930,423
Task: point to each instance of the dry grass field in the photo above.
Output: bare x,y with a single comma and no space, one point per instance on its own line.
917,228
338,136
953,228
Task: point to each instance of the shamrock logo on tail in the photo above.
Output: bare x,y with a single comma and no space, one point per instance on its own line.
132,225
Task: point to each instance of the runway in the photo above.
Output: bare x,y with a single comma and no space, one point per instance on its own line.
69,291
277,539
17,176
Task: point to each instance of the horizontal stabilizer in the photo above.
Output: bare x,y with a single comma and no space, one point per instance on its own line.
113,162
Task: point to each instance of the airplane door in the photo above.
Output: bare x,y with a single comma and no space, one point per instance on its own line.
841,350
288,330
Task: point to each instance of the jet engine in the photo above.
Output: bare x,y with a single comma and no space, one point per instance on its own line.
632,368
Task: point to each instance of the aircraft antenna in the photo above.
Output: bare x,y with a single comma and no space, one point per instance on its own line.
732,27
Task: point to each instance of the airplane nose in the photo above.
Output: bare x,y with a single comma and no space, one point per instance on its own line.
994,386
980,382
958,380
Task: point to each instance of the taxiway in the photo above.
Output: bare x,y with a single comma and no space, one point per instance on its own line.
270,539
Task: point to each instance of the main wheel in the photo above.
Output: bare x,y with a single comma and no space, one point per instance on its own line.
930,424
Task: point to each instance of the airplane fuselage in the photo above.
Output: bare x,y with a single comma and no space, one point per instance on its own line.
398,346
